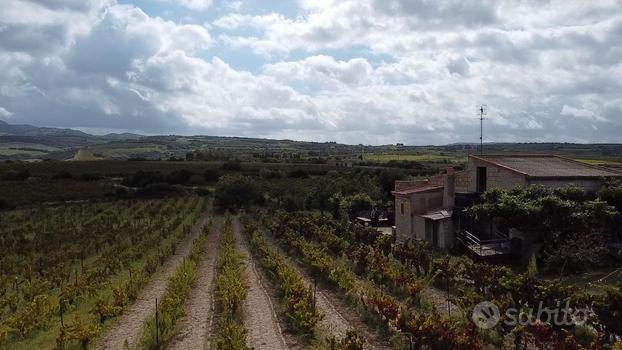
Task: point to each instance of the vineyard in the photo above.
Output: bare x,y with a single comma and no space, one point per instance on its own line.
66,271
388,281
172,274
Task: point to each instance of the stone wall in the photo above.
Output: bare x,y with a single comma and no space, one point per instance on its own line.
462,179
496,176
414,204
403,222
419,228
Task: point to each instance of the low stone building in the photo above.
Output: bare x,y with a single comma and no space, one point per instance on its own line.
506,171
424,210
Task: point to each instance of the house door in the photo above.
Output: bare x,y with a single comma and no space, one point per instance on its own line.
481,179
431,232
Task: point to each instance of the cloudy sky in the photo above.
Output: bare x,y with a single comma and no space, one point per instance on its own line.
353,71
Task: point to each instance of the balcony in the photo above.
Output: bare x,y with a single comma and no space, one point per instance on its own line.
485,248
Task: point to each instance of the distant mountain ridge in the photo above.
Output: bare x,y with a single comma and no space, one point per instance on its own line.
7,129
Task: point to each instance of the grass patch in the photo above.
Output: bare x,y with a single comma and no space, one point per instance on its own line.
600,161
385,157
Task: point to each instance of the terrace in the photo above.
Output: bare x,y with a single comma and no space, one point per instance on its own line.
485,248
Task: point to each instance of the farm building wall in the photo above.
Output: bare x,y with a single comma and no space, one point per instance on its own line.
496,176
406,223
403,218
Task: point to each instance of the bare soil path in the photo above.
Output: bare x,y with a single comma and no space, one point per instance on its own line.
260,319
128,327
438,298
194,328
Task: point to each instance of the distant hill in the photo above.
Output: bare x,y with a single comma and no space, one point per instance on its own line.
126,136
28,142
24,142
7,129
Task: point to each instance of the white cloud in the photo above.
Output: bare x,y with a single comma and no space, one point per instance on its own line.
198,5
4,113
580,113
366,71
323,70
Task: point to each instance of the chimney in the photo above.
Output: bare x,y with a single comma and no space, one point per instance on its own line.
449,188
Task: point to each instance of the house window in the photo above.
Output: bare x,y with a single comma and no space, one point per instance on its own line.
402,208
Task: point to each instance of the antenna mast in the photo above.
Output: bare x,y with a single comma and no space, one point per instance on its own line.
483,110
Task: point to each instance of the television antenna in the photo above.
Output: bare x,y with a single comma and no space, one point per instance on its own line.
482,110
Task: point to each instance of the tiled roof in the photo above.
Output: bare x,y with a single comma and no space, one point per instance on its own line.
426,188
547,166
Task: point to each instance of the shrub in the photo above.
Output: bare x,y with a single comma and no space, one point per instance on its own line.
299,299
63,175
13,175
211,175
236,191
298,174
268,174
230,292
143,178
354,204
4,204
179,177
156,189
90,177
232,335
232,165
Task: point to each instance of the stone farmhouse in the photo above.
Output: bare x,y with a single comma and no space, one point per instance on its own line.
427,209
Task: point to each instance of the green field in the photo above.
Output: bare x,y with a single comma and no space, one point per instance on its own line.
84,155
600,161
385,157
14,152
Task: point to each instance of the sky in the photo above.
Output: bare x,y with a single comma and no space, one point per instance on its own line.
351,71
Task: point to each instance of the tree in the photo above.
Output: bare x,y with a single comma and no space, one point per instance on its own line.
235,191
320,194
354,204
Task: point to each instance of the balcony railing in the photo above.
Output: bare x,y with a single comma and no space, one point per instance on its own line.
485,247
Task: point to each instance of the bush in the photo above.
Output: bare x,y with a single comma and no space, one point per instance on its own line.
196,180
268,174
234,191
13,175
63,175
231,291
354,204
298,174
143,178
179,177
4,204
156,189
90,177
211,175
232,165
